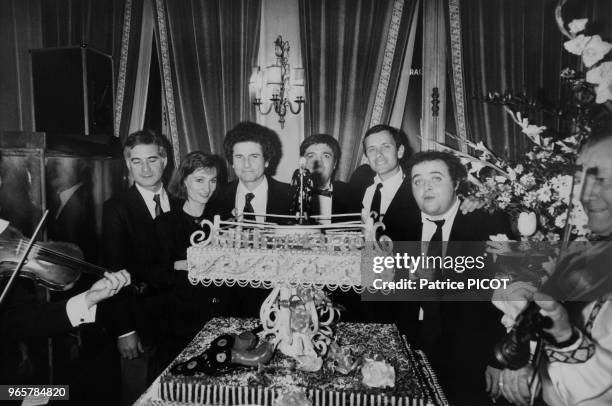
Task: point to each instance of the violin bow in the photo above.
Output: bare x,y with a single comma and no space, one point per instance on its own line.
24,257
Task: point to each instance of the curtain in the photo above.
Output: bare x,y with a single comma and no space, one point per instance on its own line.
207,49
348,61
515,46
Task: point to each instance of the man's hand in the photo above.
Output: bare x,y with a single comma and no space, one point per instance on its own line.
470,204
562,328
513,300
106,287
514,385
492,377
130,346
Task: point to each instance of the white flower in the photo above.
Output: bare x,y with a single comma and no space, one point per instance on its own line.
527,222
533,132
518,169
544,194
500,179
579,220
562,184
476,166
560,220
576,46
377,374
600,74
602,77
530,199
595,50
528,179
577,25
499,237
512,174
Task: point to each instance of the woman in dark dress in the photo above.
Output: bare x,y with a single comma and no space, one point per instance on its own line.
188,307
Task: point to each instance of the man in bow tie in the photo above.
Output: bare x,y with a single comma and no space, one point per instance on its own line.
322,153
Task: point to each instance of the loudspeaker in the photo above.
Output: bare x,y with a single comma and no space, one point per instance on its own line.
73,91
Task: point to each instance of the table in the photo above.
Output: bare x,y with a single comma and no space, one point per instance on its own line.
415,384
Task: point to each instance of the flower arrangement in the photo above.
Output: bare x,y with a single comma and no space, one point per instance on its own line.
537,189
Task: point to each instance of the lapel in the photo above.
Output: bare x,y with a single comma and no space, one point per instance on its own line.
458,227
137,210
340,203
273,199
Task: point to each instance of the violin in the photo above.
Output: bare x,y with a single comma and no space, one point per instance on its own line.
54,265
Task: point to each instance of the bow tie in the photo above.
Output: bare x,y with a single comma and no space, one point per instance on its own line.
324,192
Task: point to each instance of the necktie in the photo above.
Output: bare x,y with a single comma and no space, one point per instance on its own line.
432,323
375,206
248,207
434,248
158,208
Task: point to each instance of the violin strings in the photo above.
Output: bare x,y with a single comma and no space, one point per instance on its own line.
68,260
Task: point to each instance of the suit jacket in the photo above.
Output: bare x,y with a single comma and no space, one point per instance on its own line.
278,202
129,239
22,316
343,201
403,215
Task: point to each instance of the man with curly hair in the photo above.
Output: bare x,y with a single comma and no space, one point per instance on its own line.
253,152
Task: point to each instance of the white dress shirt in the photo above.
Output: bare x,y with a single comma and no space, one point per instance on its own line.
77,310
64,196
387,192
147,195
429,227
259,202
3,225
325,206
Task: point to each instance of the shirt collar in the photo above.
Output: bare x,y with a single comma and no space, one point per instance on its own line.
3,225
393,182
447,217
65,195
260,190
147,194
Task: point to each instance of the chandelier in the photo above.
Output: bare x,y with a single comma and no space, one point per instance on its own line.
278,84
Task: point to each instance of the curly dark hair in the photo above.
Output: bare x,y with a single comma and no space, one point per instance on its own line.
456,169
189,164
248,131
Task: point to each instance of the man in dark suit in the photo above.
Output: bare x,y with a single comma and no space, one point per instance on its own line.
458,335
254,152
129,240
322,153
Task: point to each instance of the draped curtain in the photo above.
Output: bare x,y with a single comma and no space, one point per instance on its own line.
515,46
207,49
343,51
